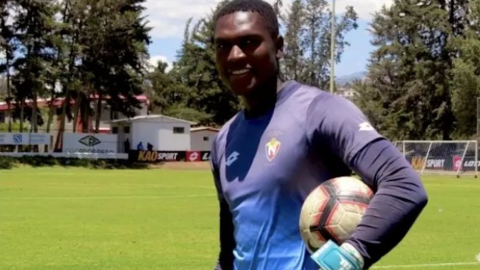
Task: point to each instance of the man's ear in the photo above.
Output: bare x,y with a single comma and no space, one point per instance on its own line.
279,47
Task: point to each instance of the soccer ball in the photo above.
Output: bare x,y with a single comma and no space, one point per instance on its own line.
333,210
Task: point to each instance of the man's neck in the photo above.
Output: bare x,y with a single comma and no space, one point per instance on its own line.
262,100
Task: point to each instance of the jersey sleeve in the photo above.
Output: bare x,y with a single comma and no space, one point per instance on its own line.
337,124
215,169
226,227
399,199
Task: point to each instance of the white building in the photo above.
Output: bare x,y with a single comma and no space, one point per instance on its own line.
201,138
162,132
346,92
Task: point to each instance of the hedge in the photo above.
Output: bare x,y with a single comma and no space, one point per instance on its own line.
49,161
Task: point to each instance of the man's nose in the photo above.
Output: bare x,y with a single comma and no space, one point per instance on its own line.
236,53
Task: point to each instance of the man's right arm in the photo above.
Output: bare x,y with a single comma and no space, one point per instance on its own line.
227,240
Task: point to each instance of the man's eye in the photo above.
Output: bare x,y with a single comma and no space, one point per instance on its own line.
249,43
221,46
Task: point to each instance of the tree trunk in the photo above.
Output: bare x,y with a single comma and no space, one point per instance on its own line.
98,113
66,102
51,113
85,112
75,112
34,124
51,109
9,112
22,113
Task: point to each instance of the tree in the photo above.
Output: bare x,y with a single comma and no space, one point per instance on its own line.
294,64
466,75
204,95
69,54
115,49
8,47
162,85
410,70
308,40
33,24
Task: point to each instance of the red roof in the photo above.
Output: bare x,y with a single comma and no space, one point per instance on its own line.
194,129
41,102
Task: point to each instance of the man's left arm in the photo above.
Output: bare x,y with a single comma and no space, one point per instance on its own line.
399,194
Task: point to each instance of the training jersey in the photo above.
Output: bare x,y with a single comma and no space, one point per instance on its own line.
265,167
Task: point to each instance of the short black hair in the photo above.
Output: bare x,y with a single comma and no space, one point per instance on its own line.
263,8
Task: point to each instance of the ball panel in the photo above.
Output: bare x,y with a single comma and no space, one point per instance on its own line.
362,200
310,215
315,241
350,222
312,208
338,233
354,207
328,210
334,218
348,186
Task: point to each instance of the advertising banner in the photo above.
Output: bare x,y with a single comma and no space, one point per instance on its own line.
444,163
84,143
165,156
468,163
8,138
432,163
193,156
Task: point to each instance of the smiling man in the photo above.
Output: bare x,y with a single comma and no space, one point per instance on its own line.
289,139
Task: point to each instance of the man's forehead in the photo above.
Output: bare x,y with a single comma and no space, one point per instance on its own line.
239,23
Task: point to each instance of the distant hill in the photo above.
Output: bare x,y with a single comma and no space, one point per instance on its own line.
342,80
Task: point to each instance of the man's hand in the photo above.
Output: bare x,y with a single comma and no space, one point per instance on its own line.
333,257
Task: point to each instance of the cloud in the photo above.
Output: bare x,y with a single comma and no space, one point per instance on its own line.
154,59
168,18
365,8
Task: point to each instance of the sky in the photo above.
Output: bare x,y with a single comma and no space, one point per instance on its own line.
168,18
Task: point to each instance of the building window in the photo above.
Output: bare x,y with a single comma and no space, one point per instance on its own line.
126,129
205,139
114,130
178,130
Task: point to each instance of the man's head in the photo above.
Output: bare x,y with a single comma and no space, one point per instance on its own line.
247,44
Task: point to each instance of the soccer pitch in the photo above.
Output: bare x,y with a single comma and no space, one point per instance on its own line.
70,218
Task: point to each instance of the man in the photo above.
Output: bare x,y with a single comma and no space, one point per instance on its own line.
289,139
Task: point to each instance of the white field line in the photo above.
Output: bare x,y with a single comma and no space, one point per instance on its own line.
430,265
108,197
122,185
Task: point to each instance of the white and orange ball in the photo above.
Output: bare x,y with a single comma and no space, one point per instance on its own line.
333,210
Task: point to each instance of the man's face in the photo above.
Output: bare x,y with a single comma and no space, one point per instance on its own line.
245,52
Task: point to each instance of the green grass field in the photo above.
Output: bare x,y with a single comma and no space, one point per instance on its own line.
58,218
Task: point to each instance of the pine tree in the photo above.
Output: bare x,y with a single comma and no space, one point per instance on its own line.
466,75
33,25
8,46
206,98
294,64
410,70
115,47
308,40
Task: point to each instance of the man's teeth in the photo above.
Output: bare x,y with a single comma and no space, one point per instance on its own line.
241,71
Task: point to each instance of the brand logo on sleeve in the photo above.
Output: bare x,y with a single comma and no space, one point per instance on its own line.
232,158
365,126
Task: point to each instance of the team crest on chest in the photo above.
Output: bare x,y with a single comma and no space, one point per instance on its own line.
272,148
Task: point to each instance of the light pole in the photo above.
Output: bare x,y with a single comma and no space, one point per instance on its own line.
332,50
